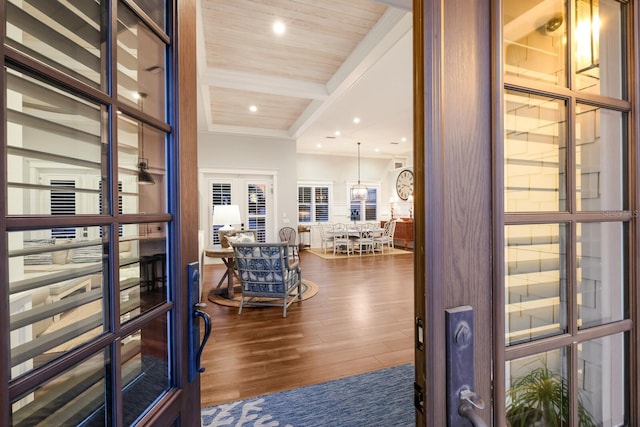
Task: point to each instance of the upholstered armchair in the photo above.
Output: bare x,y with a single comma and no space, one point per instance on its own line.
267,275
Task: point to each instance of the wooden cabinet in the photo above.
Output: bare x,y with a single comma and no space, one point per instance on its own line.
403,233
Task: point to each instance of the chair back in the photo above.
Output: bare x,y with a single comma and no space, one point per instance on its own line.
288,234
262,267
392,228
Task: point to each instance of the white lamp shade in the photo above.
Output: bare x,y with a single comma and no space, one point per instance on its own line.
226,215
359,192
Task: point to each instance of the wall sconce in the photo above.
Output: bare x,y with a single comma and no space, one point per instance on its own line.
587,35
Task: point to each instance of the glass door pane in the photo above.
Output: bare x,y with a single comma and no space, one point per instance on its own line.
535,147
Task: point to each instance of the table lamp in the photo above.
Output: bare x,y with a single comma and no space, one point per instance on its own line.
226,215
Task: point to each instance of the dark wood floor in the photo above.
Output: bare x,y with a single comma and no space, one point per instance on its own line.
360,320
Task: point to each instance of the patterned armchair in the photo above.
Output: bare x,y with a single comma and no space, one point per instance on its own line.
267,274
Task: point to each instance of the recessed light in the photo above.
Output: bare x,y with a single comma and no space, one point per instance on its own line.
356,120
403,139
279,28
319,146
253,108
377,150
337,133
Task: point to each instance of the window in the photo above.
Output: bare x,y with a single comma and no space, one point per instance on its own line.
313,204
567,216
365,210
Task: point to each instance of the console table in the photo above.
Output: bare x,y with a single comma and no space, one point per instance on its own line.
404,232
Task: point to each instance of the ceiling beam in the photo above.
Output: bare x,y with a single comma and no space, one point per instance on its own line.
391,27
263,84
400,4
242,130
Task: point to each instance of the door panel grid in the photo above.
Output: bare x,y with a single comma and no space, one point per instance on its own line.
566,221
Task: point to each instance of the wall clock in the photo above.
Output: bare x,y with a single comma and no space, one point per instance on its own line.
404,184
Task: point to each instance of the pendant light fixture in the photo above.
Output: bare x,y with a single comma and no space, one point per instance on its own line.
144,177
359,192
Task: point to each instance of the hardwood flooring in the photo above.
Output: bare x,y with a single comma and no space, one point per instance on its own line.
361,320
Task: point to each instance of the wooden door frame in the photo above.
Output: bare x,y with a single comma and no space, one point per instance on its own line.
453,188
186,220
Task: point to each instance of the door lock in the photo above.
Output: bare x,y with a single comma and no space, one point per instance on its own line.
463,403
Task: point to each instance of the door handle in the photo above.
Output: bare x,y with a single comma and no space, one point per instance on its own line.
470,401
196,346
207,331
463,404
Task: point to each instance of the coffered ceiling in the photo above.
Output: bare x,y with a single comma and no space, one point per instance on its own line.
336,60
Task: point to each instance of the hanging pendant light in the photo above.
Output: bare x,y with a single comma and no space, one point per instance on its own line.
144,177
359,192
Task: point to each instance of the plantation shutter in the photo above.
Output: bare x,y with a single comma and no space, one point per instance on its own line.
257,210
304,204
371,205
322,204
63,202
101,204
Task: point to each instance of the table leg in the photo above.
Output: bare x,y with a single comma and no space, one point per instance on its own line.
229,274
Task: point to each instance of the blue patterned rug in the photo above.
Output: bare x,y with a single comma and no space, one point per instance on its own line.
381,398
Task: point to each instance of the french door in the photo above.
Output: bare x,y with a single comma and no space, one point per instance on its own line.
96,214
528,212
253,193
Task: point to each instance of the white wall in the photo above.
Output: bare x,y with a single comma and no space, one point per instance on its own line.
235,152
224,152
342,172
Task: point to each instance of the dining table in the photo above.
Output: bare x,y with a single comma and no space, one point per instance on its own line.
354,232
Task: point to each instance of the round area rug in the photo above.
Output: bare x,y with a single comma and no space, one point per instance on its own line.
309,289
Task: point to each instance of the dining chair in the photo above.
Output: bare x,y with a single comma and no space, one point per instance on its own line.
288,234
341,240
364,239
386,238
326,238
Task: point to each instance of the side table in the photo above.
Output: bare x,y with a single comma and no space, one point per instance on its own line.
227,256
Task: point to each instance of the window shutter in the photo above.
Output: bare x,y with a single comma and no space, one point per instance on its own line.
371,205
63,203
322,204
304,204
257,210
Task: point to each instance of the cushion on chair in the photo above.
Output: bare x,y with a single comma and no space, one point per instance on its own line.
87,254
241,237
38,259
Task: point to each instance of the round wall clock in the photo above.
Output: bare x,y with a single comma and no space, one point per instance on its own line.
404,184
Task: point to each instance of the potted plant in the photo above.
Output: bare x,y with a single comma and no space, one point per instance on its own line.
541,398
